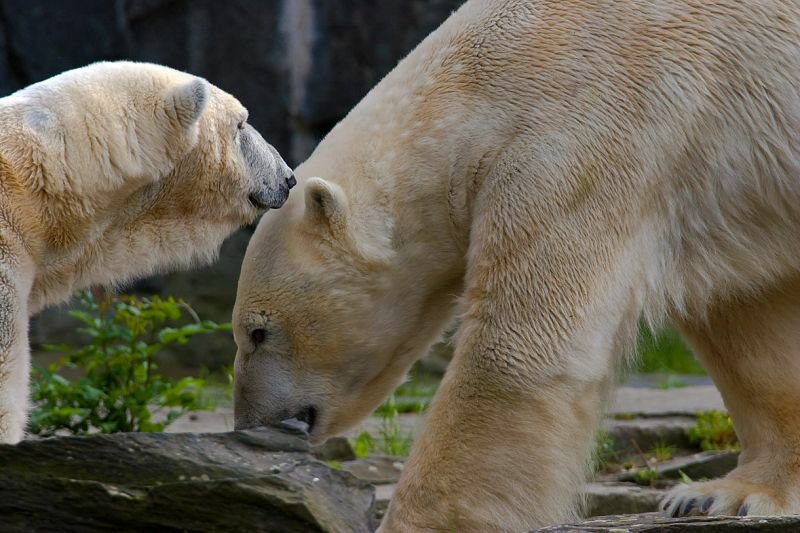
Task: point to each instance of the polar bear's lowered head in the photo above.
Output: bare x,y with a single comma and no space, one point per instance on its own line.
131,168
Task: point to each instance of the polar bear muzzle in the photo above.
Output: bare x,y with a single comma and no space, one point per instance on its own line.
264,164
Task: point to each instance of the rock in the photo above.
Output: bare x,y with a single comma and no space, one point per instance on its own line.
50,37
620,498
238,45
263,480
648,432
10,79
383,495
335,449
376,469
383,33
701,465
655,522
685,401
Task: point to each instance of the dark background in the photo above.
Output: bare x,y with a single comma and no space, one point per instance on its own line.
297,65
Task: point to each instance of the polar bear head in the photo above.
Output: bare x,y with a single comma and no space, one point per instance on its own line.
134,167
341,291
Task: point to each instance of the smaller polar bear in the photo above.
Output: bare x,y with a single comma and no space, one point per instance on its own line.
110,172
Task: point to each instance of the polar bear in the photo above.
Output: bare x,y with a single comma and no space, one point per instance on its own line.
551,171
113,171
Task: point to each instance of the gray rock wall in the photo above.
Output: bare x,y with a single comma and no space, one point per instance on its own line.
298,66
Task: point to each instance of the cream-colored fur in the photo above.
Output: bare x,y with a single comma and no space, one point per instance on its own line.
114,171
552,171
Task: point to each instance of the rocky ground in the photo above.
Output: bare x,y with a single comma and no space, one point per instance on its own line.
641,417
265,480
271,480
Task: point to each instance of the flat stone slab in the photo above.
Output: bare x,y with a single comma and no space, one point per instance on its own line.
376,469
656,522
264,480
217,421
702,465
648,432
603,499
683,401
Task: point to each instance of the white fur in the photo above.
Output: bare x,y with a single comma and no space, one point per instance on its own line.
564,168
109,172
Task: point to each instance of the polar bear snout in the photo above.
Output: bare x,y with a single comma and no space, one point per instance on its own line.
270,174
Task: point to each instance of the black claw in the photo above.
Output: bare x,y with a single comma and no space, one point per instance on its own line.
742,510
706,505
687,508
676,511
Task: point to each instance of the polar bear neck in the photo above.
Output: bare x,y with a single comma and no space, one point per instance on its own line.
85,245
407,155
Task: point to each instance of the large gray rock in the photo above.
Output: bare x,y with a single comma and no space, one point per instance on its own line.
239,45
655,522
356,43
262,480
10,77
49,37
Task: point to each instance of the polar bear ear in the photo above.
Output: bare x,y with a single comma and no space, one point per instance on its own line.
186,102
326,204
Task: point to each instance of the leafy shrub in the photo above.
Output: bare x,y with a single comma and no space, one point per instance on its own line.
119,386
714,431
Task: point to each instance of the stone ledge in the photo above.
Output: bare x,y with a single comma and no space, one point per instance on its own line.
265,480
657,523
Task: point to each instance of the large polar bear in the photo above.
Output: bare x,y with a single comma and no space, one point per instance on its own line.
551,170
112,171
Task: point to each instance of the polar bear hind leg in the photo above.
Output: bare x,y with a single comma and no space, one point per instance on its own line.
751,348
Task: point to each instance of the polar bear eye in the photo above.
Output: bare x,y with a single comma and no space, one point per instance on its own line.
240,126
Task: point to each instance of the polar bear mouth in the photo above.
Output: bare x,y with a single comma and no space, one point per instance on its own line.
303,420
257,202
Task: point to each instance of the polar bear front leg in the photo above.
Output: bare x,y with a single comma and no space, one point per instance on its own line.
14,356
508,437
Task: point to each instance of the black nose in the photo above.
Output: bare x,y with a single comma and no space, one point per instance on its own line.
291,181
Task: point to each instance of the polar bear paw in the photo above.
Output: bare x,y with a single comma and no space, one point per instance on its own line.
729,497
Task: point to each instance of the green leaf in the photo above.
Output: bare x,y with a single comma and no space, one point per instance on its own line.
120,386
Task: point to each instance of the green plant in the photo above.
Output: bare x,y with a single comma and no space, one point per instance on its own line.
392,442
390,439
713,430
662,451
603,453
363,445
665,352
413,396
646,476
119,387
334,465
